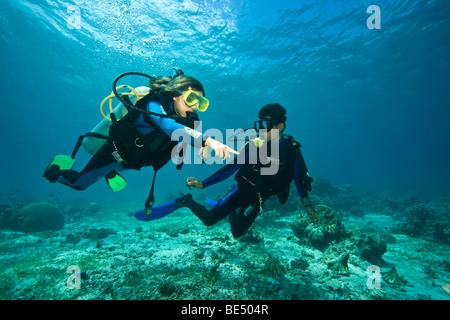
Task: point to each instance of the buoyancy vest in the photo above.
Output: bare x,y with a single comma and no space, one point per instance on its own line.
249,175
135,150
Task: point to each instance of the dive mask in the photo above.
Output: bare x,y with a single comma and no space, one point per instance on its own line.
266,125
191,98
263,124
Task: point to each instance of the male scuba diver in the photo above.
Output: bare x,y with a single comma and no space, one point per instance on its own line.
244,202
142,137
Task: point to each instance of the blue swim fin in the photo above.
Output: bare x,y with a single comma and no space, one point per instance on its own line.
212,202
158,212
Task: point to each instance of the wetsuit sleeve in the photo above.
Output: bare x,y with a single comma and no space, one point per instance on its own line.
299,182
221,174
169,126
229,169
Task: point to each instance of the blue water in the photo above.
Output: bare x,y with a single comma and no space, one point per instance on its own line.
370,106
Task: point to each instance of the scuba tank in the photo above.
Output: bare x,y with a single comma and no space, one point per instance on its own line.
98,136
92,143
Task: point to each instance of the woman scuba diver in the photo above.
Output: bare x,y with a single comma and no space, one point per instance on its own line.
143,136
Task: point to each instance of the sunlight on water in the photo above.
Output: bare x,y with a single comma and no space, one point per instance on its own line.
336,77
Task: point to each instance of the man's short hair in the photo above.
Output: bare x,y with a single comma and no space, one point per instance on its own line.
275,111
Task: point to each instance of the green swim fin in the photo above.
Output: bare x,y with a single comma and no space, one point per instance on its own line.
63,162
115,181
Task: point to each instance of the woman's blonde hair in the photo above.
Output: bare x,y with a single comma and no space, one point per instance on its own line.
170,88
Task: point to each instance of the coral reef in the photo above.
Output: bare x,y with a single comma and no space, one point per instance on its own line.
37,216
369,247
320,236
416,219
422,220
41,216
331,234
283,256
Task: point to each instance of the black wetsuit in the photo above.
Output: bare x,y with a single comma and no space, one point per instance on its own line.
252,188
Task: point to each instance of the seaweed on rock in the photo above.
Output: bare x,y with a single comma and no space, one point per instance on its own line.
340,265
393,278
273,268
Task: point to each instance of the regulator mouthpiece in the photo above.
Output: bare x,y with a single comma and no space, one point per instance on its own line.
258,142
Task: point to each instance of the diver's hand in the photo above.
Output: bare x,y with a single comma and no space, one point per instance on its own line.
223,151
203,153
192,183
313,215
